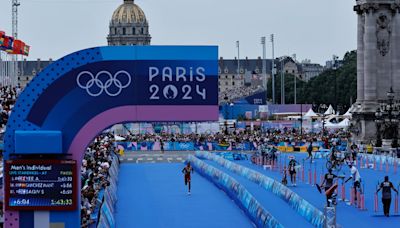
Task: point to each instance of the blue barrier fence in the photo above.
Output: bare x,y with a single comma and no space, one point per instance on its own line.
301,206
207,146
184,146
260,216
109,199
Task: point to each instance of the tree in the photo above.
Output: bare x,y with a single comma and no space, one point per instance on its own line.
337,87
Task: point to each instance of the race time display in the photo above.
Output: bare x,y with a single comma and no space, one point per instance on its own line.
40,185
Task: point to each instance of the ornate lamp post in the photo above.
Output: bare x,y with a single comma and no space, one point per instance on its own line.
387,116
378,121
322,108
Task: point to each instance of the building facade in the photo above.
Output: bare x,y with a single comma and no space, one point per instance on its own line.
128,26
28,69
250,71
310,70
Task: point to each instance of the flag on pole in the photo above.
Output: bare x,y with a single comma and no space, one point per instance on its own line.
21,50
7,43
26,50
17,47
2,34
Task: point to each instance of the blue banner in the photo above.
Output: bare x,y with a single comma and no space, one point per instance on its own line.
303,207
209,146
184,146
108,199
256,212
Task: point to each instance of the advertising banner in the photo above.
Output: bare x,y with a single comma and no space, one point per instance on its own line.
256,212
303,207
108,199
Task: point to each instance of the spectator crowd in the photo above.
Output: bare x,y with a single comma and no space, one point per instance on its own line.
271,136
231,95
8,96
95,176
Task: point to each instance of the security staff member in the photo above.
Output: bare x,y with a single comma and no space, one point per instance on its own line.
386,187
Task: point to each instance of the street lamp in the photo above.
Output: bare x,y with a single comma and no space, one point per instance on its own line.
321,109
272,39
238,60
378,121
226,114
264,67
387,116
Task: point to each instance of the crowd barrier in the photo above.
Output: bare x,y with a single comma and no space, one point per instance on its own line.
109,199
260,216
391,159
301,206
214,146
184,146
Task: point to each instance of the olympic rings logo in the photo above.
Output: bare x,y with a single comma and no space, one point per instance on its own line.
112,86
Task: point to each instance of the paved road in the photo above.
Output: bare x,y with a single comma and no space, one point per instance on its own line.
154,195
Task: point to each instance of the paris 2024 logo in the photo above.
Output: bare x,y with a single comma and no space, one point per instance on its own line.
190,90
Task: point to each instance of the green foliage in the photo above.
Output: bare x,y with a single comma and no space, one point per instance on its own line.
337,87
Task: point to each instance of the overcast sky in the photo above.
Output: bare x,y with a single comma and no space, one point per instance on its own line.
312,29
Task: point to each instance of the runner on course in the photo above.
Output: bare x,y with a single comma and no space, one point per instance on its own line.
187,172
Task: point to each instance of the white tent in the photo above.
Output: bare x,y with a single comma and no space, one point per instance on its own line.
330,111
310,114
118,138
344,123
348,113
351,109
330,125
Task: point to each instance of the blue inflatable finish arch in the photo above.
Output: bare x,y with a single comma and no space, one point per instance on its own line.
88,91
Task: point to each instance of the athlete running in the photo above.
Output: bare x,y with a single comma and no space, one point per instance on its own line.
355,175
309,151
187,171
292,170
386,187
335,160
329,186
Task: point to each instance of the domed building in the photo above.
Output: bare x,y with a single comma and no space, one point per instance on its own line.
129,26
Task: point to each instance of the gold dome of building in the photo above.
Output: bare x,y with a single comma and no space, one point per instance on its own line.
128,12
129,26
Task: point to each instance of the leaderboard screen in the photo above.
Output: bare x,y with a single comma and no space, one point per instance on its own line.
40,185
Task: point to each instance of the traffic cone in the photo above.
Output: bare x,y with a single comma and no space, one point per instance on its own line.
352,197
315,175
